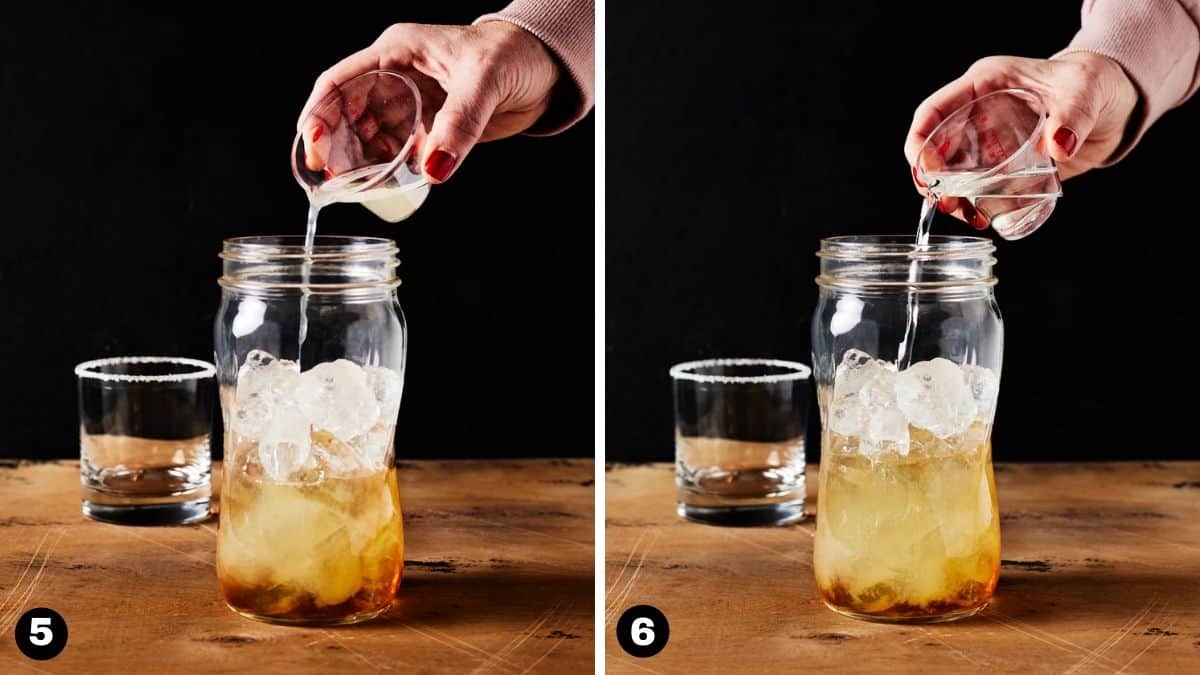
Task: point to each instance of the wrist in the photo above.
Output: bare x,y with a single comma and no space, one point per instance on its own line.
1108,73
1119,94
520,46
537,74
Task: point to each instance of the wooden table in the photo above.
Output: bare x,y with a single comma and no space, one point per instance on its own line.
499,579
1101,574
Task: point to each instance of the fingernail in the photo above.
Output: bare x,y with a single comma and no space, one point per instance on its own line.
943,204
439,164
1066,139
972,216
917,179
318,132
328,174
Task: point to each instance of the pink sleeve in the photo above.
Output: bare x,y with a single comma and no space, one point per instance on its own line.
567,28
1157,42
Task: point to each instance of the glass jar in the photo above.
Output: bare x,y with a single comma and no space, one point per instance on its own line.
907,345
310,362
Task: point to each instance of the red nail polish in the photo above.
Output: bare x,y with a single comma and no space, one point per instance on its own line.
968,212
973,217
318,132
440,164
1066,139
328,173
945,204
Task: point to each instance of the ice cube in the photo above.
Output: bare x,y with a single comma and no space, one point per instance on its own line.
867,379
264,383
984,387
335,396
862,385
335,457
886,429
934,395
285,447
373,446
845,417
387,386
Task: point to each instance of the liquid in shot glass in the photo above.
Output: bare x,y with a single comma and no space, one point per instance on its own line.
739,440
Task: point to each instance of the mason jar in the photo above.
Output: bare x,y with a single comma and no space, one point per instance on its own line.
310,351
907,347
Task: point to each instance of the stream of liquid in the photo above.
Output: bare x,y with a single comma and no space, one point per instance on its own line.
904,355
310,236
392,202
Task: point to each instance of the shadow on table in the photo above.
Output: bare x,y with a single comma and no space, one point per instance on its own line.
480,594
1055,594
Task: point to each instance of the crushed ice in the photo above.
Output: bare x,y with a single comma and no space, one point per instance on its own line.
337,415
874,402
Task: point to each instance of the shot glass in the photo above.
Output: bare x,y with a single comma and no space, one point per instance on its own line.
361,143
989,152
144,429
739,440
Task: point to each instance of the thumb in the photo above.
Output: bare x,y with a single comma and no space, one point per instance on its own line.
457,128
1073,115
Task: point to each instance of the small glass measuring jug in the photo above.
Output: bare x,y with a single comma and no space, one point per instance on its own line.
361,143
990,153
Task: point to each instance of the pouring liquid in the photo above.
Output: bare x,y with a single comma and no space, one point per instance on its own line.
391,201
904,355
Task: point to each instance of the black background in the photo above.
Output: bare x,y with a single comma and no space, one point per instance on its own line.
134,143
737,137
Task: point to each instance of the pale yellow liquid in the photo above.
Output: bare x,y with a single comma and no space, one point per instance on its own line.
325,552
908,538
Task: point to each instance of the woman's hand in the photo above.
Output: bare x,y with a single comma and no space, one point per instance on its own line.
485,82
1089,97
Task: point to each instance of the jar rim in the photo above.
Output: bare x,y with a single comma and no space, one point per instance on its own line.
269,264
326,247
904,246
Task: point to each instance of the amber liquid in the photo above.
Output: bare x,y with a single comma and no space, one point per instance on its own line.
913,538
725,472
327,552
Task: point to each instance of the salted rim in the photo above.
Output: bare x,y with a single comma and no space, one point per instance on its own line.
84,369
680,371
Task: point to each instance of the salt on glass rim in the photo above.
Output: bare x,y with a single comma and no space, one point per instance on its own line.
800,371
204,369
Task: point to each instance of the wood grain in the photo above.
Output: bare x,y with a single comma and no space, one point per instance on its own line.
1101,574
498,580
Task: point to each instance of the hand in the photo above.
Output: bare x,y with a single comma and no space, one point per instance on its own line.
485,82
1089,97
